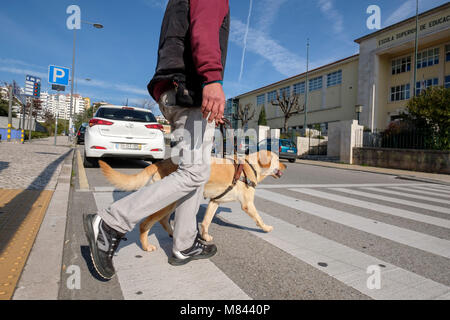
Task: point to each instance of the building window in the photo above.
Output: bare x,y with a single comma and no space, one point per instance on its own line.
285,92
428,58
299,88
399,93
447,82
260,100
424,84
272,96
447,52
401,65
315,84
334,78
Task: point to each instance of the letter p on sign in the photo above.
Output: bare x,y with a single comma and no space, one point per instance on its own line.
58,75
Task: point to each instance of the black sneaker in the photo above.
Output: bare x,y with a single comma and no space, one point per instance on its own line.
103,242
199,250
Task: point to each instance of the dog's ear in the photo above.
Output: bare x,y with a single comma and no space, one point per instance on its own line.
265,158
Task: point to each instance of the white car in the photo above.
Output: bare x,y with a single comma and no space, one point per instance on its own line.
118,131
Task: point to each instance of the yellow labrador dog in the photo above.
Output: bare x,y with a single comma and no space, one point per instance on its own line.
228,182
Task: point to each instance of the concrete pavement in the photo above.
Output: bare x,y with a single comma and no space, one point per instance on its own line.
32,180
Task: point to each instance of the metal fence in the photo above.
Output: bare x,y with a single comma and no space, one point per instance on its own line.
414,139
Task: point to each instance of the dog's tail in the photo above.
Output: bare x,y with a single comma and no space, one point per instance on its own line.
128,182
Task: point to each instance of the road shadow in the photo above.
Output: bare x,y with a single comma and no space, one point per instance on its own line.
122,163
220,222
165,241
25,201
86,254
3,165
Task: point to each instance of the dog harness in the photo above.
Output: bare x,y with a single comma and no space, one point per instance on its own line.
239,175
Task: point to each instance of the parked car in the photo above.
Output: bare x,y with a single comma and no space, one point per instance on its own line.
118,131
80,133
286,148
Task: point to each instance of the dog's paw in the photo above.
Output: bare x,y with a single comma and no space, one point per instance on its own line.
149,248
267,229
207,237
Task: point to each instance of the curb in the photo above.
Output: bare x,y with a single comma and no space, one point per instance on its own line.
399,176
41,275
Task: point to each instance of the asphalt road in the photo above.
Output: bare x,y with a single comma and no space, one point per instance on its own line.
330,225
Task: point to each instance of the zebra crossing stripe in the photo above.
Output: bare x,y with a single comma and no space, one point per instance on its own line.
338,261
395,200
377,207
400,235
347,185
440,187
437,192
148,276
407,195
422,191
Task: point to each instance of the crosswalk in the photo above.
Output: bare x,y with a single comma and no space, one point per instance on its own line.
422,222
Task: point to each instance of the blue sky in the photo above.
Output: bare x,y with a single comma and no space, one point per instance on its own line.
120,59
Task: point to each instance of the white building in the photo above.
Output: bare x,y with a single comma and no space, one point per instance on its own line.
59,104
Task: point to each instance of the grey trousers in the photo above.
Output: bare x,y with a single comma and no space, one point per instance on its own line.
185,186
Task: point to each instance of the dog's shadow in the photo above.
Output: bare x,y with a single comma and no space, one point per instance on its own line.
166,242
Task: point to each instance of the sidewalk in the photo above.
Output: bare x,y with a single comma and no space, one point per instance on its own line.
30,176
402,174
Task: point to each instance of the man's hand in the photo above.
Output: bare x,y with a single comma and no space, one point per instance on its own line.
213,102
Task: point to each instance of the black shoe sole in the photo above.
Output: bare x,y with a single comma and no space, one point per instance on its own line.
180,262
90,235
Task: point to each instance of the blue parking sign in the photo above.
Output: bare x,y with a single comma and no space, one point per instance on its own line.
58,75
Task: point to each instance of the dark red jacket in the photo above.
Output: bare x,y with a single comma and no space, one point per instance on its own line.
192,47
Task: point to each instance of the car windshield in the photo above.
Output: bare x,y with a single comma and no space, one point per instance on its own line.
82,129
125,115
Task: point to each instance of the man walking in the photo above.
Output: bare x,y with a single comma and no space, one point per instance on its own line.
188,87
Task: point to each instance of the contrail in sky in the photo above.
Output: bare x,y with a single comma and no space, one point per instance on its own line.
245,40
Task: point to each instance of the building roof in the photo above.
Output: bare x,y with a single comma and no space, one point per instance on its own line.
404,22
297,76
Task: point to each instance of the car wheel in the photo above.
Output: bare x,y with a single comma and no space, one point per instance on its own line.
292,160
89,162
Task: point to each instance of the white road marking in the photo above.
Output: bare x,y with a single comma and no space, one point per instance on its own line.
342,263
377,207
346,185
148,276
441,187
422,191
395,200
403,194
410,238
440,191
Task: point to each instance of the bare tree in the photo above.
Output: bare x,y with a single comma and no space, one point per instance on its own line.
289,105
244,114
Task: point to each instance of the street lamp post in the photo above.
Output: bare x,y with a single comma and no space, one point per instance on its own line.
97,26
